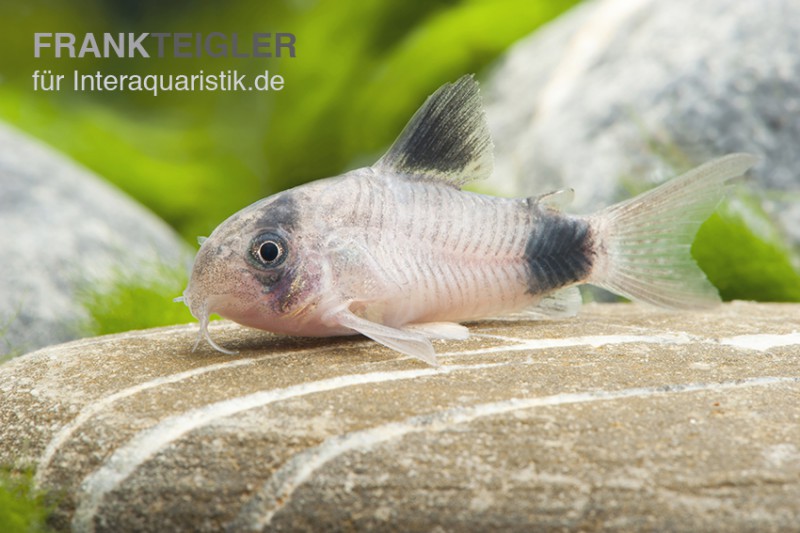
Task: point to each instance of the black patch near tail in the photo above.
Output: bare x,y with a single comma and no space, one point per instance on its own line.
559,251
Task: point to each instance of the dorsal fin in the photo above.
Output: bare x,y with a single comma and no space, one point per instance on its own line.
557,200
447,139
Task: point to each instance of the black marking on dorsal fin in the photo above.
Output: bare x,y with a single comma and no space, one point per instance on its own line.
447,139
560,250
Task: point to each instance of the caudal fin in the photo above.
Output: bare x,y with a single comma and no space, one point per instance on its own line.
643,244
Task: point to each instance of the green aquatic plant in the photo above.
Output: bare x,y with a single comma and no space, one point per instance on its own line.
23,509
739,247
744,255
362,68
128,302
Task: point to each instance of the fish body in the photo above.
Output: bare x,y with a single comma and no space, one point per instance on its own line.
399,253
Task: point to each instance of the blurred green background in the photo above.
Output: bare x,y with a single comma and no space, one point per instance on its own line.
361,70
194,158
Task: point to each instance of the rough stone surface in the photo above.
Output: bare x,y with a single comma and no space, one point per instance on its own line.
620,91
624,418
64,229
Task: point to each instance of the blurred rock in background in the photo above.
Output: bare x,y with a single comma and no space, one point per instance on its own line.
64,231
619,92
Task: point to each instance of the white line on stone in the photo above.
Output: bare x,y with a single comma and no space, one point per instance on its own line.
149,442
103,340
94,408
592,340
146,444
763,341
136,334
258,513
759,342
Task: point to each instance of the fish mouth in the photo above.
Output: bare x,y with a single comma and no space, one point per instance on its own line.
203,314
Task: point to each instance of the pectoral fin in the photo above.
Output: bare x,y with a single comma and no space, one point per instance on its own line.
407,341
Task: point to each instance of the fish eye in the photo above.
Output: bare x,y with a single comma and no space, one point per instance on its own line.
268,250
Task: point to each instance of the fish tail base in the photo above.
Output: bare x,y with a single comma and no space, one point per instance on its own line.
643,245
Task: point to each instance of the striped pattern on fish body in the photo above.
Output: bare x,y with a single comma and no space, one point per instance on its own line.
435,253
399,253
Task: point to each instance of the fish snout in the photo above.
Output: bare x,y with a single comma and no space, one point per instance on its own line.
210,278
196,305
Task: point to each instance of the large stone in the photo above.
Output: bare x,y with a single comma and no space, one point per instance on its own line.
624,418
620,91
65,231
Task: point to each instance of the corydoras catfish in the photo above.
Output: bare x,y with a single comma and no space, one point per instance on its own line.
399,253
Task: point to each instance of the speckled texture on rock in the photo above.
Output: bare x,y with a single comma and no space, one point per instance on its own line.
64,230
620,92
624,418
